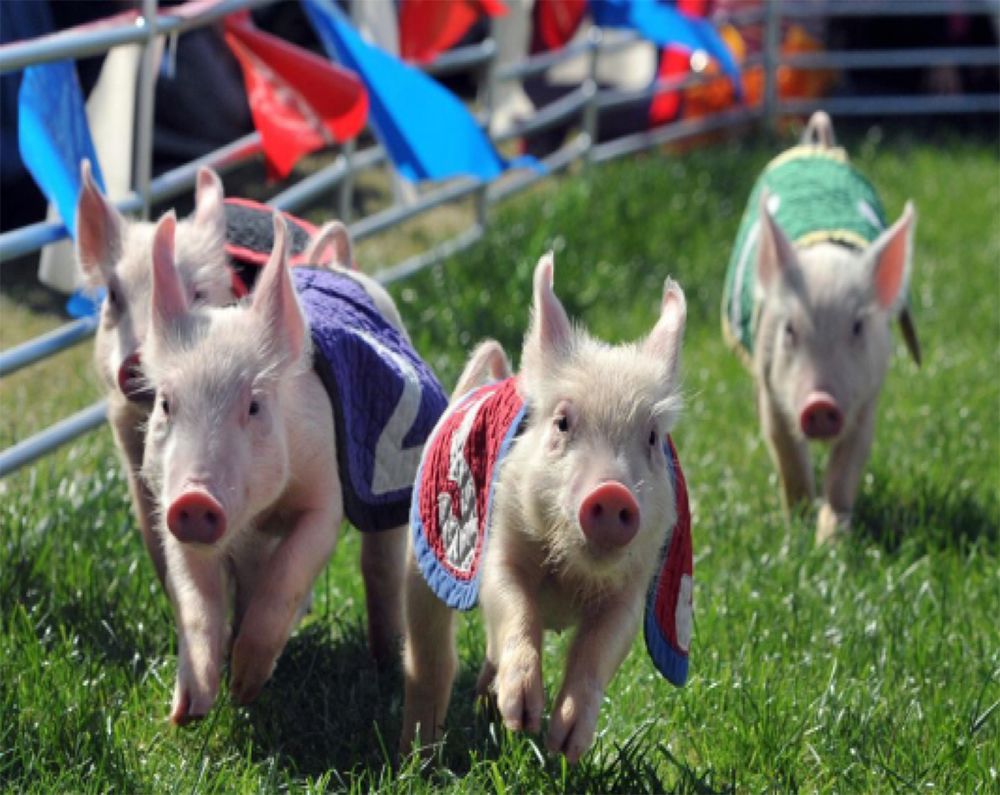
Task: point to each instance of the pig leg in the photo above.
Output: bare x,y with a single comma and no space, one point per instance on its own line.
383,561
125,425
276,599
197,585
601,643
843,474
429,660
514,628
790,454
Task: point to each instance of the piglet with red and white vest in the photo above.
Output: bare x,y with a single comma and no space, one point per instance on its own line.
273,419
555,499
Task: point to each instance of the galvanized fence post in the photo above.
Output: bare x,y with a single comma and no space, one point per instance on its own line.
143,167
772,58
594,38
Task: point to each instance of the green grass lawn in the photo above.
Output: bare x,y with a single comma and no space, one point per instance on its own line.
873,665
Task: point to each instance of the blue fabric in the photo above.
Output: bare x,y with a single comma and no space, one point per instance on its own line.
426,130
54,136
668,660
385,399
665,26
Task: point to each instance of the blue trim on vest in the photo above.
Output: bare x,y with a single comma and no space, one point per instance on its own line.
668,661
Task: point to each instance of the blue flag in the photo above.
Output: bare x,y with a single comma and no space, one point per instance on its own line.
664,25
426,130
54,136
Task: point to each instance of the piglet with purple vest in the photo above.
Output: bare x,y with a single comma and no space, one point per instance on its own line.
274,419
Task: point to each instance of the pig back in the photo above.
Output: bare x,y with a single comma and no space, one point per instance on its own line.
385,399
816,196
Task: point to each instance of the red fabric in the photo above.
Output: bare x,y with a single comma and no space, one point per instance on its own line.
429,27
557,20
679,560
300,101
674,64
493,419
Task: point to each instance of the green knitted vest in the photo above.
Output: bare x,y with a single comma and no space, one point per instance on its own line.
820,197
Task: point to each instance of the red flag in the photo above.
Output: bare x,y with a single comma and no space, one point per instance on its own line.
557,21
429,27
300,101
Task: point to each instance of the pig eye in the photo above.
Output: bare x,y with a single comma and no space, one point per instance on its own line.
113,300
562,423
199,295
165,406
254,408
652,438
789,332
858,328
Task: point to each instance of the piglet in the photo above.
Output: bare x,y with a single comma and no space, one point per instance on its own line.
115,253
815,278
555,499
272,420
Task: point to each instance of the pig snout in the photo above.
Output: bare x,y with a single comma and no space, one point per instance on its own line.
609,516
196,517
131,381
821,417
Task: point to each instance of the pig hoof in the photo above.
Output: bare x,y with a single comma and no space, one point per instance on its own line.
487,677
184,711
571,730
830,527
520,695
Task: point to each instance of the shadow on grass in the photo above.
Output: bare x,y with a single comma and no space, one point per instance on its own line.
327,706
936,515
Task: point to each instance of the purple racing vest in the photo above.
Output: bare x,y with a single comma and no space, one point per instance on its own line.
385,398
452,511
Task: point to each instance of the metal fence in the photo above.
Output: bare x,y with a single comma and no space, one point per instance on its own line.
333,185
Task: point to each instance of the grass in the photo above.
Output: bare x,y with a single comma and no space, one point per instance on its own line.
873,665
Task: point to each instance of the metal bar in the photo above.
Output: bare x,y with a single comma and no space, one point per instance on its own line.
95,38
31,238
537,64
566,107
673,132
772,60
34,447
801,9
462,58
916,105
894,59
397,214
46,344
143,154
554,163
307,190
418,262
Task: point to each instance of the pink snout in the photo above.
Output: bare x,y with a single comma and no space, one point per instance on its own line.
196,518
609,515
821,417
131,381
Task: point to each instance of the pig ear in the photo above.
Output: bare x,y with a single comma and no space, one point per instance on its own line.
890,257
333,236
664,341
776,257
208,195
98,229
550,328
169,299
274,298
